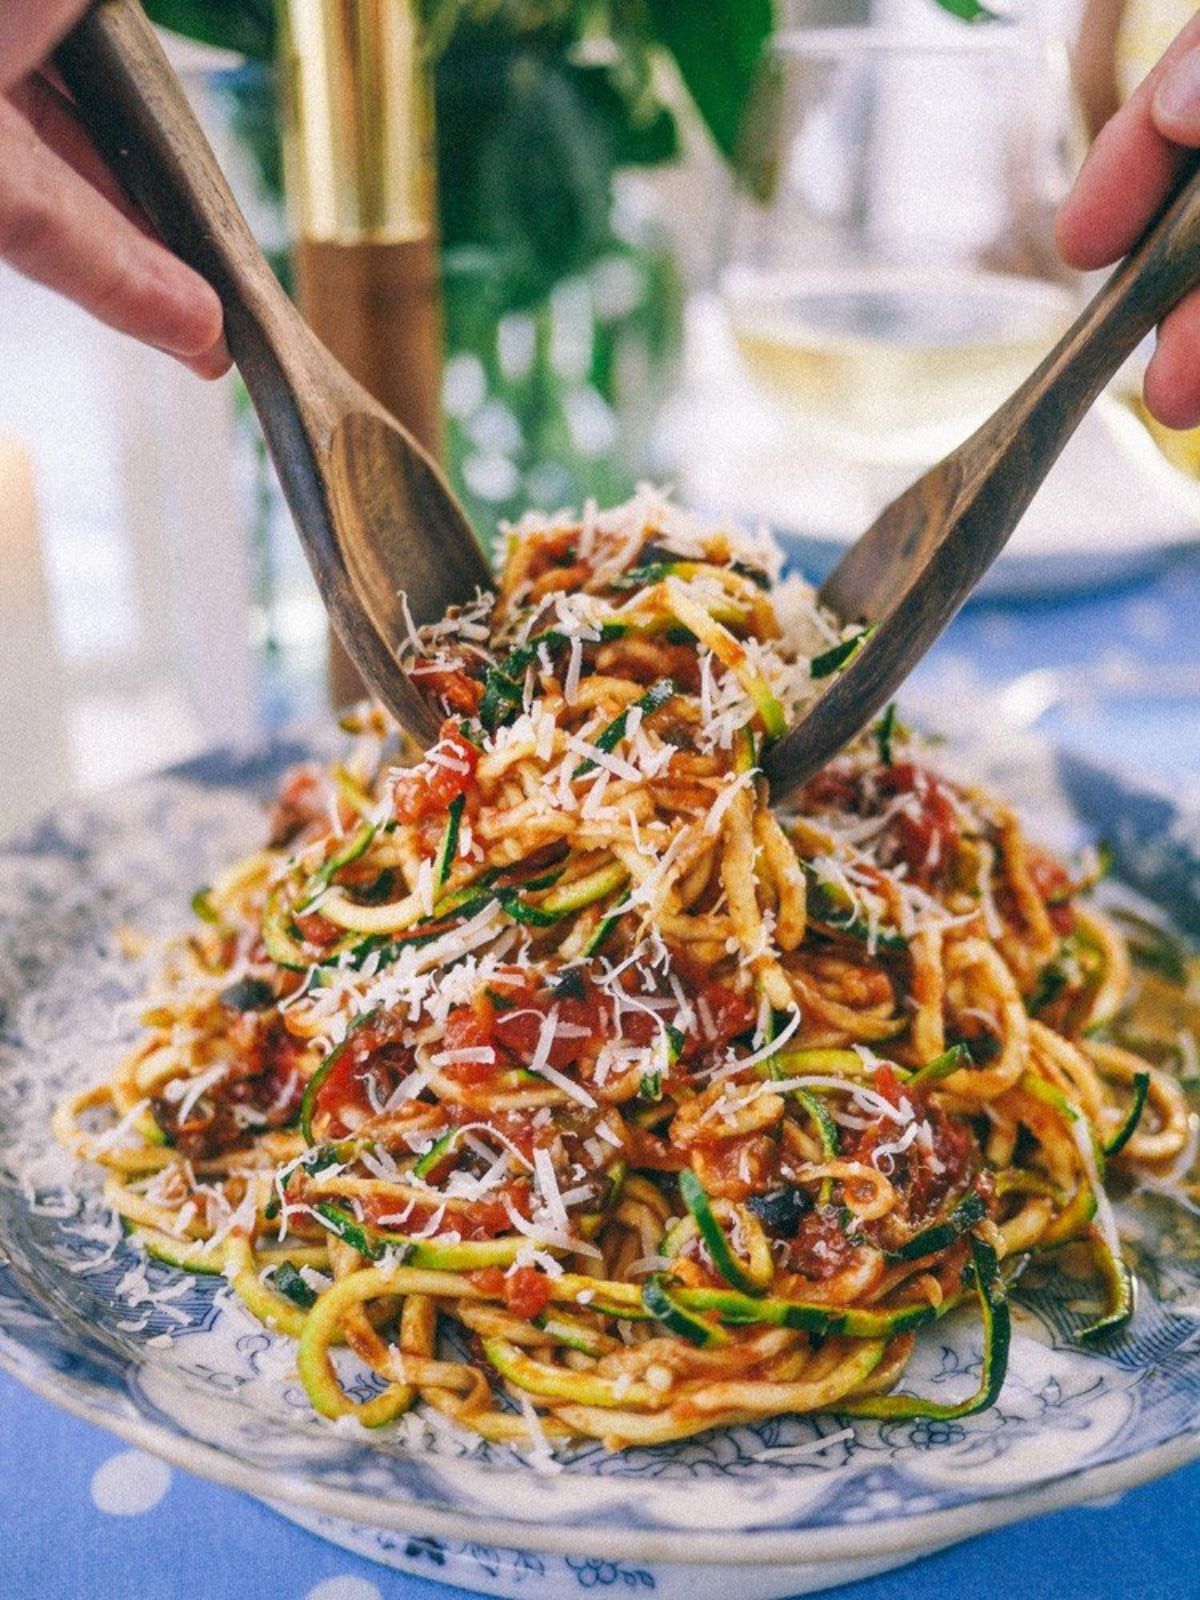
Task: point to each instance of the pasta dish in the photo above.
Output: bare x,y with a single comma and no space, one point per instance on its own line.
674,1111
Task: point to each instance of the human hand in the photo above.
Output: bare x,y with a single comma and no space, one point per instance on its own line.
64,219
1129,170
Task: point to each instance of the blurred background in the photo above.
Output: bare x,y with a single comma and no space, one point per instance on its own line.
778,255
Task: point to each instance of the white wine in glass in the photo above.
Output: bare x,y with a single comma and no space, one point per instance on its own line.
894,278
893,362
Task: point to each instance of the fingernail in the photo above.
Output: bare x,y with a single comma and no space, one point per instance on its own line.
1177,97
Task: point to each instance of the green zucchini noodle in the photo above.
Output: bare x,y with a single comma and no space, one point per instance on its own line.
685,1112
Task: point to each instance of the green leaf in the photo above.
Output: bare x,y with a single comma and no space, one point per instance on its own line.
640,132
969,10
247,26
717,47
524,161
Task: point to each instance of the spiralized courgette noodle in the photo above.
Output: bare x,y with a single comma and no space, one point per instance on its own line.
687,1113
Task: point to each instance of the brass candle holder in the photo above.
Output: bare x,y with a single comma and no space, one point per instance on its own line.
357,103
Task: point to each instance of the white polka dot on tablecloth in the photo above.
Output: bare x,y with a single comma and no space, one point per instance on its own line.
127,1484
346,1587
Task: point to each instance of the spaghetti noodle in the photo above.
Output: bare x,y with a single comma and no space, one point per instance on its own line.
685,1112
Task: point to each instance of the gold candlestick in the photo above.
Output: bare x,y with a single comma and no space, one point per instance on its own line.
359,165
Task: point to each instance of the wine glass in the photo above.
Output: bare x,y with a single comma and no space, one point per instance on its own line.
890,272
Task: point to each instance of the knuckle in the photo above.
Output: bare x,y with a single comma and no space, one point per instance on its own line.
26,227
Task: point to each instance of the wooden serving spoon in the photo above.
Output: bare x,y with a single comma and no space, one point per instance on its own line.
378,522
913,568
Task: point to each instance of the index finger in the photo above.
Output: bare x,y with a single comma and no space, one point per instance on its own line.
1129,170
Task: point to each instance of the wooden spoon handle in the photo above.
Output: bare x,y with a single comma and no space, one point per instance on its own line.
132,104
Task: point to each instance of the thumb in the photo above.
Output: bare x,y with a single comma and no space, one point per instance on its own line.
1175,106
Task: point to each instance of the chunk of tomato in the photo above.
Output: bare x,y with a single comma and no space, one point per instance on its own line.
526,1292
446,772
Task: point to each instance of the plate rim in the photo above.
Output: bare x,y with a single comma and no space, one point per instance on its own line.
926,1531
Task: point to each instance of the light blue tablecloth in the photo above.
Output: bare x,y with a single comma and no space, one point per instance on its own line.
85,1517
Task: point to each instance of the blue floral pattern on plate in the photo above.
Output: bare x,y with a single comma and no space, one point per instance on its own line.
179,1366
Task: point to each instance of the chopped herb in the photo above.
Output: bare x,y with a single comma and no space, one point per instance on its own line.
289,1282
378,891
568,984
756,575
969,10
885,730
247,994
650,1087
831,661
1051,981
203,906
642,577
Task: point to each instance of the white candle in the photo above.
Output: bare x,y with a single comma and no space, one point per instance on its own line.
34,765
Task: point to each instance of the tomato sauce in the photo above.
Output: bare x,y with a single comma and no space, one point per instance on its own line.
456,689
317,930
922,1176
266,1080
822,1247
429,789
372,1051
1054,886
926,836
734,1169
526,1292
930,1181
484,1219
303,797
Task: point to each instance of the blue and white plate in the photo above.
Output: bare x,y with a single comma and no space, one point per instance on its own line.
794,1504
